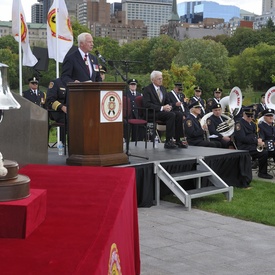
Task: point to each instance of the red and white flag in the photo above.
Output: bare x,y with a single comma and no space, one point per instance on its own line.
59,25
20,30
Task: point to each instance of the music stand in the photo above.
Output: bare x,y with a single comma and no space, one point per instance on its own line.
111,63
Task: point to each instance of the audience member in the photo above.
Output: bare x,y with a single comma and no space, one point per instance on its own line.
196,134
155,97
34,94
80,65
246,138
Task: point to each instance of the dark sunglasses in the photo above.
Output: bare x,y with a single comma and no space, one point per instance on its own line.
34,83
249,115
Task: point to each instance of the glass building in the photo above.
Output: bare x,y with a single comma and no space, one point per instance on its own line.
196,11
154,13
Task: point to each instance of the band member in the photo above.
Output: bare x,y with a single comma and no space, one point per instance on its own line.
246,138
216,99
267,131
197,98
260,106
213,122
196,134
178,100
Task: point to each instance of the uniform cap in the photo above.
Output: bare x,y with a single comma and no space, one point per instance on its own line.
33,79
195,104
132,81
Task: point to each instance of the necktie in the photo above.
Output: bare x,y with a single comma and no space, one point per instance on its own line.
159,94
87,62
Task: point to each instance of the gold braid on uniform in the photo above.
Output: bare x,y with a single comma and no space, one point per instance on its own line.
55,105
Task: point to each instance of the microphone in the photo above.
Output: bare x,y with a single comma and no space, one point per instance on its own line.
100,56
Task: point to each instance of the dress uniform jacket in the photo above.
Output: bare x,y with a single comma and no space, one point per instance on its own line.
201,101
193,130
246,135
174,98
267,134
39,98
212,123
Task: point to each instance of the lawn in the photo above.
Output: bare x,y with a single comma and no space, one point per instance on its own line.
256,204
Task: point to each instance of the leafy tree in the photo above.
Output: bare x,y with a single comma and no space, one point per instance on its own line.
255,66
270,25
241,39
213,58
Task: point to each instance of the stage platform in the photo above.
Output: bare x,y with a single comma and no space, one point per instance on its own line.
233,166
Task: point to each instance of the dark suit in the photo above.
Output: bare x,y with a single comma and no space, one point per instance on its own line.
173,120
267,134
74,68
38,99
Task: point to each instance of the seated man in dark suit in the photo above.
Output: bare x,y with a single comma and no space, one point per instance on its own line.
155,97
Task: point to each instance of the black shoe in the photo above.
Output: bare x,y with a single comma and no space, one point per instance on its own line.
265,176
180,144
170,145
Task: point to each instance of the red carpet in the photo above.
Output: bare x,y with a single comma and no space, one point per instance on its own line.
89,209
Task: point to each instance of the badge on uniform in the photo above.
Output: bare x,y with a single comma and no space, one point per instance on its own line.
238,127
189,123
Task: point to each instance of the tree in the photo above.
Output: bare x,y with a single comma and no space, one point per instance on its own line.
255,66
270,25
213,58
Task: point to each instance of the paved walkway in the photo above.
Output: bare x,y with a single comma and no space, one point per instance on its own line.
175,241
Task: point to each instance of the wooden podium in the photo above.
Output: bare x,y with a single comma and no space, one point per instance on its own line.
91,141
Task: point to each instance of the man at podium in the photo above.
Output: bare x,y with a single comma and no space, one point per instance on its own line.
81,66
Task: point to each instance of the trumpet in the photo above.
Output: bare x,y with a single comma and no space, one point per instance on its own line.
260,148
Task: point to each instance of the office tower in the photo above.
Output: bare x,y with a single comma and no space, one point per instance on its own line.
267,6
154,13
37,13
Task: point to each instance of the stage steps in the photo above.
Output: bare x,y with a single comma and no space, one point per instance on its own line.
186,196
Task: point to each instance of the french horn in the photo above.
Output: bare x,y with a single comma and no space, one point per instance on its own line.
234,104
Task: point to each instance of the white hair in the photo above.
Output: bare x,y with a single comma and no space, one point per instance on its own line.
82,37
155,74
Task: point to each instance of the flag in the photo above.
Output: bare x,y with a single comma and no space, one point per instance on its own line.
59,24
20,29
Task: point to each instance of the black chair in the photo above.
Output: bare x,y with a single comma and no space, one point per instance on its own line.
62,126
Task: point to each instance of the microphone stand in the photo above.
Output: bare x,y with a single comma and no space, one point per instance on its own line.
111,63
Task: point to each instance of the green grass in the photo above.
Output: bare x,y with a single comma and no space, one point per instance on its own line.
256,204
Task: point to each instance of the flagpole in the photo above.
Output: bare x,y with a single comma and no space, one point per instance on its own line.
57,56
19,49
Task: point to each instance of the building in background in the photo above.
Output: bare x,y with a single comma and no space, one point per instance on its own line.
37,13
197,11
267,6
154,13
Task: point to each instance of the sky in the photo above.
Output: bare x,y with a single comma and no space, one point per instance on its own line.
6,6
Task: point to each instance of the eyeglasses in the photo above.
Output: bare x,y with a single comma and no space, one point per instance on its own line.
133,84
248,115
217,92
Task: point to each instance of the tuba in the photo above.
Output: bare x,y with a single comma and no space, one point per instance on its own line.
234,104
